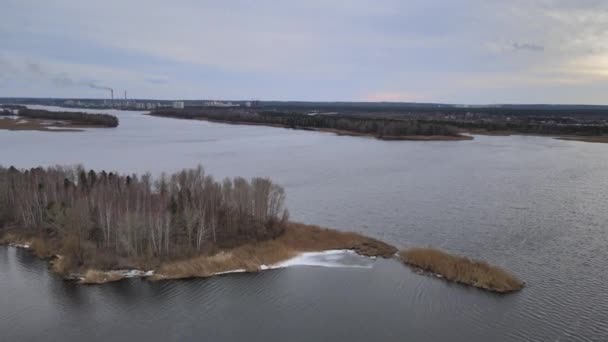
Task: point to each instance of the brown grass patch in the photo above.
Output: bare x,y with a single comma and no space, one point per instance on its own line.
307,238
61,265
461,269
296,239
9,237
100,277
41,248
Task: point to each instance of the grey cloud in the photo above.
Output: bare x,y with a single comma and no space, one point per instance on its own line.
528,47
6,68
63,80
60,79
35,69
156,80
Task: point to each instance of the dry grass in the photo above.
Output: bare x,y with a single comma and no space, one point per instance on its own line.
307,238
61,265
296,239
8,237
100,277
40,246
249,258
461,269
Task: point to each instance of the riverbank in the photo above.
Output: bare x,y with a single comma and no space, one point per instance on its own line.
257,256
461,270
602,139
582,138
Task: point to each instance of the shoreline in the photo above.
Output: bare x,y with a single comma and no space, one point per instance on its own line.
602,139
297,240
459,137
598,139
299,245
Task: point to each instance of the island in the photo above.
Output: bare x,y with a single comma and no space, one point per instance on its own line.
461,270
97,227
20,118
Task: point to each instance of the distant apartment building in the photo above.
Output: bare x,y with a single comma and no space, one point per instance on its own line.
220,104
178,104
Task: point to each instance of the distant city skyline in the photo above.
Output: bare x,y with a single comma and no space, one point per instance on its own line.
467,52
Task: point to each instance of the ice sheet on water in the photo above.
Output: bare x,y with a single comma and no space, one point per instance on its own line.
330,258
240,270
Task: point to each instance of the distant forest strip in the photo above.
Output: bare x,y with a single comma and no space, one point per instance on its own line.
527,127
76,118
578,111
377,127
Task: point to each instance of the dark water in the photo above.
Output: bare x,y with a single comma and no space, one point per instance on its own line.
536,206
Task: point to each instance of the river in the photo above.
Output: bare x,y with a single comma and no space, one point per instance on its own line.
533,205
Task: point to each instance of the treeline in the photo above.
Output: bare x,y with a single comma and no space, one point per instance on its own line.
362,125
95,213
578,111
79,118
530,127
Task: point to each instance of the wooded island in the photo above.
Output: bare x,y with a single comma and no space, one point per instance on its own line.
93,224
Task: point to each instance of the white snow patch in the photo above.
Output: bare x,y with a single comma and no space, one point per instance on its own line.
132,273
330,258
19,245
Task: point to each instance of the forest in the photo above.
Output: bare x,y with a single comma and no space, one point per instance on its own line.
95,218
76,118
530,127
378,127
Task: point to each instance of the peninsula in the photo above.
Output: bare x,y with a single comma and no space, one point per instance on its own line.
97,227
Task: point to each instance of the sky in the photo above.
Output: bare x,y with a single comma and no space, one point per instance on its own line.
467,51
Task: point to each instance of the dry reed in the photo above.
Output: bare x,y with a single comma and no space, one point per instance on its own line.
461,269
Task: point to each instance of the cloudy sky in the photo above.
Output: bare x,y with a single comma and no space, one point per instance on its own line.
468,51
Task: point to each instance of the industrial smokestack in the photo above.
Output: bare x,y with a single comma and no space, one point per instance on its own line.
94,86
